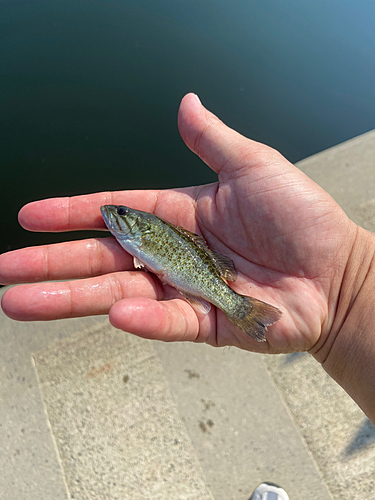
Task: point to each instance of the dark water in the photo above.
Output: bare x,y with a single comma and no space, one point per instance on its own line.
89,89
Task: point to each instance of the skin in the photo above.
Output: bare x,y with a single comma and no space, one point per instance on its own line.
291,243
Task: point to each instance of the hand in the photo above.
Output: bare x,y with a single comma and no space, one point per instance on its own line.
289,241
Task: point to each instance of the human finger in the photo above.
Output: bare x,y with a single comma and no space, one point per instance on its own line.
221,147
70,299
170,320
68,260
83,212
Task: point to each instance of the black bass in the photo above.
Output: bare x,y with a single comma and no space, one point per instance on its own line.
182,259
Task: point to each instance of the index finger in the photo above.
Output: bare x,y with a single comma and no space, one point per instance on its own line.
80,212
83,212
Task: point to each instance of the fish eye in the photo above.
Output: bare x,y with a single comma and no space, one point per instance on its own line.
121,211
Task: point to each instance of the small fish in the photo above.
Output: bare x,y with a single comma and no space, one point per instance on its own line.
182,259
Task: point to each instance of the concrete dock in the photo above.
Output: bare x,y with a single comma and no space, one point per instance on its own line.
90,412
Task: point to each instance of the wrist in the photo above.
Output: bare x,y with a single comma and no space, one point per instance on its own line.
348,351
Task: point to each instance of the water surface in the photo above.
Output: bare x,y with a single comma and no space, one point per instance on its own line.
89,90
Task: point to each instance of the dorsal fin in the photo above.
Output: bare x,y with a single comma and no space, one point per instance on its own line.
222,263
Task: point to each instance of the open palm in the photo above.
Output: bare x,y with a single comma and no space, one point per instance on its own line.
289,241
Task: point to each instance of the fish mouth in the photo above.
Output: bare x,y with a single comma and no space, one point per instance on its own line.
113,220
107,214
106,210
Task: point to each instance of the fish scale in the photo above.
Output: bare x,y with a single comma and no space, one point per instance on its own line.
183,260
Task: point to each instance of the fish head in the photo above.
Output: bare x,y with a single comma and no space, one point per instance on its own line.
125,222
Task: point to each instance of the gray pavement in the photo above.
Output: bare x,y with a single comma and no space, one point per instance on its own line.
238,422
88,412
30,467
115,425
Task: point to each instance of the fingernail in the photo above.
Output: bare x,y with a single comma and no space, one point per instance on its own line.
197,98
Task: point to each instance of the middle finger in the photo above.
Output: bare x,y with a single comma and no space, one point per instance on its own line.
71,299
69,260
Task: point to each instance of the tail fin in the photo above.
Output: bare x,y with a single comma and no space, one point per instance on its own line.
254,316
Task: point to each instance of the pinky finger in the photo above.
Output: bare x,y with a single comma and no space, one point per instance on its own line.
170,320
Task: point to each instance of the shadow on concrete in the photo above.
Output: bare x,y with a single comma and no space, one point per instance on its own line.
294,357
364,438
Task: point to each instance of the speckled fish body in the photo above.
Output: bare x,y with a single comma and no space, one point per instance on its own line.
182,259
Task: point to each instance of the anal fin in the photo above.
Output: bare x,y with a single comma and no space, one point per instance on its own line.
197,303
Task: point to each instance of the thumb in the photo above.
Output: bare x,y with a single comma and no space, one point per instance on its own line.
222,148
